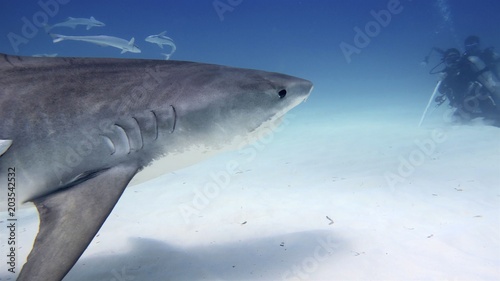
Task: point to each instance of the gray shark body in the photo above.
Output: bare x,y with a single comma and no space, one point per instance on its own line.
78,130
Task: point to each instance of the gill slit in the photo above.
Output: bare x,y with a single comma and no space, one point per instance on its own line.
6,58
175,119
140,132
128,138
110,143
156,124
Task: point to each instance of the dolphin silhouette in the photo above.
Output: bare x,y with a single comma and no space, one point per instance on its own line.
75,131
74,22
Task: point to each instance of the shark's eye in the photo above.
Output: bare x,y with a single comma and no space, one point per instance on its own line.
282,93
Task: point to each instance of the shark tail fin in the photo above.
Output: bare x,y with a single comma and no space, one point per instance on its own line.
57,37
167,56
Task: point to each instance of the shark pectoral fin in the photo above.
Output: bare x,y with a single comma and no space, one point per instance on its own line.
4,145
160,45
89,26
69,220
123,51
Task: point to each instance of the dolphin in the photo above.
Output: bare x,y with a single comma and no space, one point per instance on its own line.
102,40
73,22
76,131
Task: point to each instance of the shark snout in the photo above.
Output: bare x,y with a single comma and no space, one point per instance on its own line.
292,88
294,91
301,89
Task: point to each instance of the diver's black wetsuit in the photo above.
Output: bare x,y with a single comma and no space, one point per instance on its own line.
456,83
464,92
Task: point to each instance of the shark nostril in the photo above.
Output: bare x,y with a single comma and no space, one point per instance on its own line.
282,93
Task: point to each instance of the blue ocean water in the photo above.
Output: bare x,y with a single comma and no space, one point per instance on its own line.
361,55
364,53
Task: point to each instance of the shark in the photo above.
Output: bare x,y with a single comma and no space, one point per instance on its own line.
167,56
75,132
161,40
74,22
45,55
102,40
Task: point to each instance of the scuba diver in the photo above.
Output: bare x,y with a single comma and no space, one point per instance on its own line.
472,46
468,82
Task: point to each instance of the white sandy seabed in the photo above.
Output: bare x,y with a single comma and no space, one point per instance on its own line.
349,196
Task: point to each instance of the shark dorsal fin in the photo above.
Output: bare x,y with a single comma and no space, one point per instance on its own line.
162,33
4,145
92,18
131,42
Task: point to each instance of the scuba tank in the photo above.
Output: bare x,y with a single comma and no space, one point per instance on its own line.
485,77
